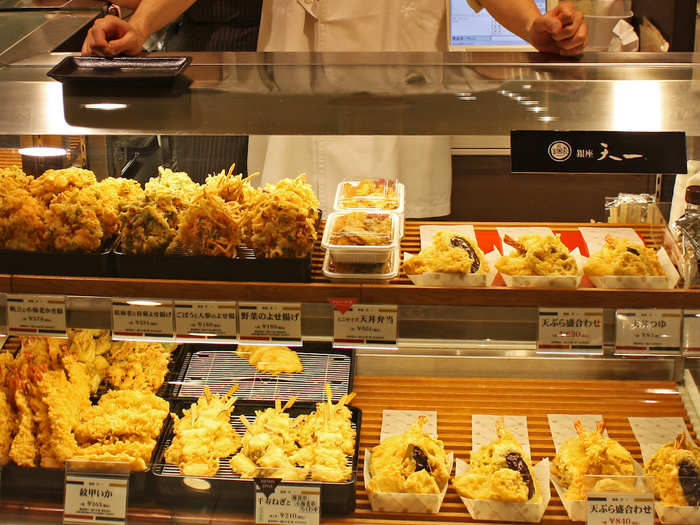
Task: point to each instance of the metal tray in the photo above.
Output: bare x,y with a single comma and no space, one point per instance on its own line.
220,368
227,489
58,263
146,70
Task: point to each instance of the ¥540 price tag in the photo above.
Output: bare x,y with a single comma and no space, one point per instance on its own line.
91,498
142,319
36,315
648,330
364,324
287,503
205,321
270,322
620,509
570,329
691,331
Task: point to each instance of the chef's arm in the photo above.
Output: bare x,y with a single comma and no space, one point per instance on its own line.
111,36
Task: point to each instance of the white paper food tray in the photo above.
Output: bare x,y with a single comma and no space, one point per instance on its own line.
338,205
643,282
363,277
509,510
462,280
366,254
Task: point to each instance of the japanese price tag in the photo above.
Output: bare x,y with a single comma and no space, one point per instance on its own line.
287,503
142,319
270,322
577,329
36,315
691,331
91,498
365,324
205,322
648,330
620,509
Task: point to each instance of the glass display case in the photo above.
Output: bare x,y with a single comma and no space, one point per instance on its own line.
459,351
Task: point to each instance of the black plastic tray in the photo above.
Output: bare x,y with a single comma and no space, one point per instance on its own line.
220,368
58,263
227,490
146,71
209,268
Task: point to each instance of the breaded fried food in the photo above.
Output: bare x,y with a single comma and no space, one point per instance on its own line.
22,221
89,347
590,453
145,227
272,360
280,221
229,187
176,186
73,224
53,182
537,255
676,471
413,462
8,426
122,413
138,365
623,257
24,449
135,450
450,253
203,435
500,471
13,177
209,226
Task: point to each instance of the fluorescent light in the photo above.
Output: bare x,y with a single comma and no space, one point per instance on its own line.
43,152
105,106
143,302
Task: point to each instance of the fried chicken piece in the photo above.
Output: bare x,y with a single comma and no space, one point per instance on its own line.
73,224
273,360
54,182
676,471
537,255
122,413
203,435
499,471
590,453
22,221
137,366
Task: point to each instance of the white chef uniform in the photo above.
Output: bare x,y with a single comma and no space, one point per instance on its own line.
422,163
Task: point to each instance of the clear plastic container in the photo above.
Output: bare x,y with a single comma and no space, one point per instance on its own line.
360,236
359,273
370,194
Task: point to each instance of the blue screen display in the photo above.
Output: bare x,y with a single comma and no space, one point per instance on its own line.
480,29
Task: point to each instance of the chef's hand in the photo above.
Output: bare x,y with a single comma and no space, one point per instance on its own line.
562,31
111,36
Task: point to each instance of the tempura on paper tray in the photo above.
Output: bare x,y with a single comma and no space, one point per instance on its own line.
537,255
369,193
272,360
319,444
676,471
623,257
412,462
204,434
500,471
450,253
592,453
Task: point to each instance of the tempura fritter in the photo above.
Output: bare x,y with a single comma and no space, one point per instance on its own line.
676,471
272,360
623,257
537,255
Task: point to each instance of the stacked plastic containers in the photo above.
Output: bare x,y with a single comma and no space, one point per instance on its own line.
363,234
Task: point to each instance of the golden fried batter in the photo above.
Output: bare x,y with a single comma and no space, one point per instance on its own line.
369,193
673,461
145,228
500,471
174,186
73,224
137,365
53,182
22,221
271,359
360,228
622,257
13,177
537,255
450,253
229,187
590,453
8,426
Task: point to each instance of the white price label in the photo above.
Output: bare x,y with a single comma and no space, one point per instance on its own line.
691,331
286,503
648,330
205,322
92,498
620,509
570,329
270,322
142,319
364,324
36,315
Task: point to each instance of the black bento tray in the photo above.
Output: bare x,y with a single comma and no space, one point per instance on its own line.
220,368
227,489
100,264
147,71
210,268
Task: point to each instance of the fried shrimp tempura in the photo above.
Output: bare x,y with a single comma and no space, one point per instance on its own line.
537,255
676,470
622,257
590,453
54,182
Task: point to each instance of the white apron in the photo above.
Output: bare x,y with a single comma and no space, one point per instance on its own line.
422,163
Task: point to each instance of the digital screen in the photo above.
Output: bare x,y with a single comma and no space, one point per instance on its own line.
481,29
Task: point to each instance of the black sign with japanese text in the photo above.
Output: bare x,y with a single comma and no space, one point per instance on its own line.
597,152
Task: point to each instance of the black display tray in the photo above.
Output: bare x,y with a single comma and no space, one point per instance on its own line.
58,263
209,268
228,490
142,71
219,368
